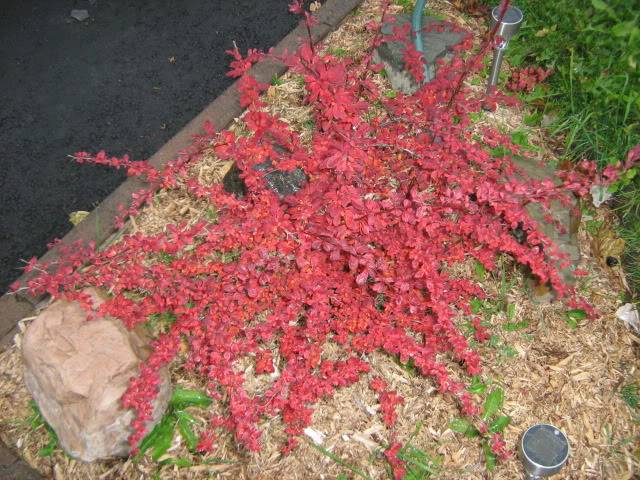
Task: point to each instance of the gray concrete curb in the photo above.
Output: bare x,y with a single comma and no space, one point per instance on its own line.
14,468
98,226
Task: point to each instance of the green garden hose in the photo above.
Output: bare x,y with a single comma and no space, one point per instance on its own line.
416,27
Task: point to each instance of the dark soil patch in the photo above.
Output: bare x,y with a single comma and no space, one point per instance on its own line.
125,80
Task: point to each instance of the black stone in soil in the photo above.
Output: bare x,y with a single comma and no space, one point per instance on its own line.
233,183
519,234
282,182
612,261
125,80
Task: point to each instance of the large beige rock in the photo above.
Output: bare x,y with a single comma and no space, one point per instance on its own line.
77,370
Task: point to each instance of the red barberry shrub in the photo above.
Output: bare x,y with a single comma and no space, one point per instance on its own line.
397,465
498,446
399,191
525,79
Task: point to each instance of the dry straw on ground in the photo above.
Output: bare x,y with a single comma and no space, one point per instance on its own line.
549,372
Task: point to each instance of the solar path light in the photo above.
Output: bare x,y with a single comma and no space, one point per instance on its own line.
544,450
507,28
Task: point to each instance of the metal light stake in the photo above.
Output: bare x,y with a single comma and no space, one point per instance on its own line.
544,450
507,28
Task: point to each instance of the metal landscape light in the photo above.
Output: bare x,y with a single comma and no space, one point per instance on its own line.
544,450
507,28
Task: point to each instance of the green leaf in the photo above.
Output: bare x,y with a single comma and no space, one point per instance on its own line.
500,151
593,226
183,398
515,326
577,314
179,462
489,457
460,425
419,464
572,317
476,305
159,439
481,272
409,366
477,385
148,441
49,448
499,424
536,94
520,138
184,423
475,117
624,29
493,403
164,438
212,214
216,460
508,351
533,120
166,258
464,426
35,420
185,416
275,80
511,310
338,52
599,5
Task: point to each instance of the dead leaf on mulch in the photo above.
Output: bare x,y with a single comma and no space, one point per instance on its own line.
475,8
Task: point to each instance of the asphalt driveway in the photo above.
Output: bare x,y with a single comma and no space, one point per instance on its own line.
126,80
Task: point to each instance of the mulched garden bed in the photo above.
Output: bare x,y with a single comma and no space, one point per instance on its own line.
551,370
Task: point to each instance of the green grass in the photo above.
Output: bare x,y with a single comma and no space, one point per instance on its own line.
355,470
419,464
37,421
407,7
631,396
593,47
628,208
338,52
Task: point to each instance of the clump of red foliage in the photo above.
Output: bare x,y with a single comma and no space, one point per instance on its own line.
389,400
400,191
525,79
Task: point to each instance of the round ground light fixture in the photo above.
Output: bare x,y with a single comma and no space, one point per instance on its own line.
510,23
544,450
506,27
